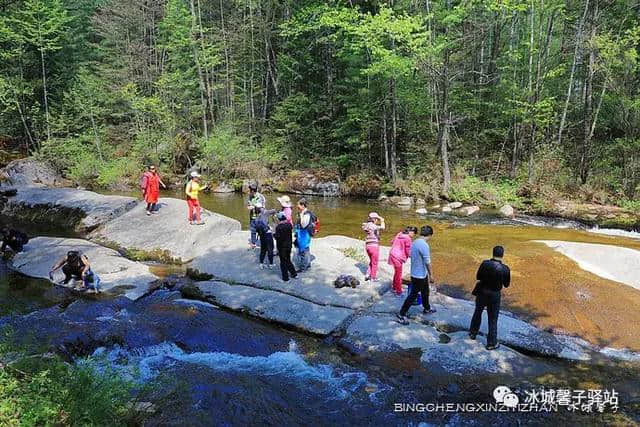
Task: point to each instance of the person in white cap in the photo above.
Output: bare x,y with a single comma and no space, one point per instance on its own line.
372,228
192,189
285,202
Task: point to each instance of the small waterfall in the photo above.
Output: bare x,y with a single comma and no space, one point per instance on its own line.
144,364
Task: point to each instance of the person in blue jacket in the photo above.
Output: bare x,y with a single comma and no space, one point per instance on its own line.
303,235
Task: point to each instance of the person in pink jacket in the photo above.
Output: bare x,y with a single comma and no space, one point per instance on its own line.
398,255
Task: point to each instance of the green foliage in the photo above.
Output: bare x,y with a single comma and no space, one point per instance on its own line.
44,390
227,152
473,190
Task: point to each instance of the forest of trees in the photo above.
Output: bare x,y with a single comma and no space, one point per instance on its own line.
434,91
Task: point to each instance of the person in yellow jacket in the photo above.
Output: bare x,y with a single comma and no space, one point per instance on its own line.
192,189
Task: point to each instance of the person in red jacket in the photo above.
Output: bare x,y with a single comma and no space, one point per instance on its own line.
150,186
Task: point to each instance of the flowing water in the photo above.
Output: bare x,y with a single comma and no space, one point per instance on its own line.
208,366
548,288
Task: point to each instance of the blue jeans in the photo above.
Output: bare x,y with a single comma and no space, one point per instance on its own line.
304,259
91,280
254,233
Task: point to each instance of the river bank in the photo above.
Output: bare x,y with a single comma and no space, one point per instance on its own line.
579,205
360,321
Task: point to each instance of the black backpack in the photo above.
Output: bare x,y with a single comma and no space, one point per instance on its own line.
314,224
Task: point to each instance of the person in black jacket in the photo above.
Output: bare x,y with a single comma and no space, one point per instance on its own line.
283,234
14,239
492,276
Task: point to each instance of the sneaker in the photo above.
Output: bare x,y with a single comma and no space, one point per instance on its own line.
431,310
261,266
192,223
367,278
285,280
472,336
492,347
295,276
402,319
270,266
148,213
200,223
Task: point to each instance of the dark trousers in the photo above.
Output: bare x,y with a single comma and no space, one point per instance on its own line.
266,247
417,285
254,233
490,300
69,272
286,266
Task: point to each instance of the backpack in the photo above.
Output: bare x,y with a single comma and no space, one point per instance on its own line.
261,227
314,224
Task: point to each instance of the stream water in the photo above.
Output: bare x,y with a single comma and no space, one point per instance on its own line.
211,367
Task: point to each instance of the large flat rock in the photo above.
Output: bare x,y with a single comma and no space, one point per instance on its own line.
610,262
453,352
167,230
118,275
230,260
455,315
61,207
275,306
29,172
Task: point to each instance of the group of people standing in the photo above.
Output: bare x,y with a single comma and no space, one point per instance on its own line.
279,225
286,232
492,276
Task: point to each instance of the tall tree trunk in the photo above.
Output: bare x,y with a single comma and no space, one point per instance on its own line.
201,81
588,105
573,71
443,143
394,131
44,88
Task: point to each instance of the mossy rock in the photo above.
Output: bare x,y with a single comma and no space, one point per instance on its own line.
198,276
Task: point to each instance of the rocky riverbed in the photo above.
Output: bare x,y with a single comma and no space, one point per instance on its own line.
165,323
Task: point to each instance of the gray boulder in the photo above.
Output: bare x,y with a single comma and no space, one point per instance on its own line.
454,205
118,275
469,210
507,211
166,233
455,314
31,173
421,211
457,354
229,259
420,202
223,187
275,306
446,209
65,207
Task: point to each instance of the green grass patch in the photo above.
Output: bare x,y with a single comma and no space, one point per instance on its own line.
45,390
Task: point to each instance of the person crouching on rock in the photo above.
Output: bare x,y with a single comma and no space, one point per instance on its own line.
192,189
14,239
283,234
74,265
421,274
398,255
492,276
264,232
372,228
150,186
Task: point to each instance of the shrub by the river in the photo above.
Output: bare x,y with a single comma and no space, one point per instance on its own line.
45,390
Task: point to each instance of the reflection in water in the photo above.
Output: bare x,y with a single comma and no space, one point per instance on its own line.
20,294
